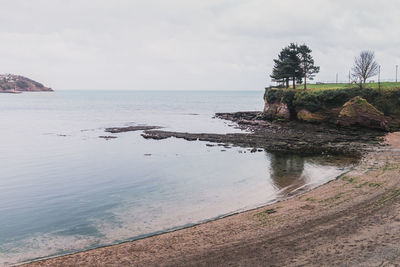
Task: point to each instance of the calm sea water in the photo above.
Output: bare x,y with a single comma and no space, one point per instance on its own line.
64,189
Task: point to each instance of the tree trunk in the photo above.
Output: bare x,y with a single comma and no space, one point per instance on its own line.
294,82
305,74
305,81
287,83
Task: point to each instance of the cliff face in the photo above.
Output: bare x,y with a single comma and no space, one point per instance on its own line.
276,111
17,83
369,108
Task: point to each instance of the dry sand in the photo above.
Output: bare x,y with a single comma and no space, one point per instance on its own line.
351,221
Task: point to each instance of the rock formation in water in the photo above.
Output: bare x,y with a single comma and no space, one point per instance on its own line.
10,83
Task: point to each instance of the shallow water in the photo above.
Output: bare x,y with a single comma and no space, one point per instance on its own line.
64,189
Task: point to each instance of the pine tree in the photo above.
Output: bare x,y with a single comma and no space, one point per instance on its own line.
307,63
281,70
294,63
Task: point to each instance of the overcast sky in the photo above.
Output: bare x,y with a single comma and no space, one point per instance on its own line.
188,45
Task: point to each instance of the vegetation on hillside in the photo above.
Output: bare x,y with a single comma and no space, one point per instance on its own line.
386,99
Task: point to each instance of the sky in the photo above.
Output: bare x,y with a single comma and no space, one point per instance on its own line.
189,45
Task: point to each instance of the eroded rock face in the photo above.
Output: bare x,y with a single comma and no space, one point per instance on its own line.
276,111
307,116
394,122
358,112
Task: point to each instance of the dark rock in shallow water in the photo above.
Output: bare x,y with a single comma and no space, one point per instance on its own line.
108,137
292,136
131,128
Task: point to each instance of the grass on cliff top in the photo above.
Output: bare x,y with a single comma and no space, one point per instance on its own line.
328,96
333,86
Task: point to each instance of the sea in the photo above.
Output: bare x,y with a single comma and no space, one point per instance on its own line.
64,189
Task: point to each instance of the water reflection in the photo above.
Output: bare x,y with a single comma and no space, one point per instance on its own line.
286,171
291,171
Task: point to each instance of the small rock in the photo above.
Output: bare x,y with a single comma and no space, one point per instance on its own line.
107,137
131,129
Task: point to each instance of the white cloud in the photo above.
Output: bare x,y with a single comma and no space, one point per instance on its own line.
177,44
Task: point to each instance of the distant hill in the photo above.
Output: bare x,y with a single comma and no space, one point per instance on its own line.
10,83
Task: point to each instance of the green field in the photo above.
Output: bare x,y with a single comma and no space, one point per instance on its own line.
327,86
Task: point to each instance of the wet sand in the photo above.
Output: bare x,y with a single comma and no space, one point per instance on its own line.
353,220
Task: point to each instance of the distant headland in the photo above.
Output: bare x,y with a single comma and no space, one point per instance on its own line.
15,84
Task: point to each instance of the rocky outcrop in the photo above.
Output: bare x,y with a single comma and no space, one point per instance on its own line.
358,112
307,116
276,111
348,107
283,136
394,123
10,83
355,112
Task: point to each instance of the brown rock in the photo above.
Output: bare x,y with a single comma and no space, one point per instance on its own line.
307,116
276,111
357,111
394,122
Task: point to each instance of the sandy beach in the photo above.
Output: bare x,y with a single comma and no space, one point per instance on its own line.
353,220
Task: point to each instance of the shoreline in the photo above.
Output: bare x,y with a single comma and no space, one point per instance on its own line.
293,194
272,233
10,92
20,92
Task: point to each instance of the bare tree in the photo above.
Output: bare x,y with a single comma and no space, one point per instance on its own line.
364,67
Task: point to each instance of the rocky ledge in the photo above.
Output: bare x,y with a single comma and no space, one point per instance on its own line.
131,128
283,136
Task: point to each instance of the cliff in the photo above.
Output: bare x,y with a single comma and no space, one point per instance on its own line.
10,83
360,107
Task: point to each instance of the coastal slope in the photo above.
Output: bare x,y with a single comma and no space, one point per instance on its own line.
10,83
353,220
